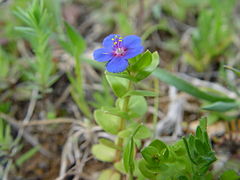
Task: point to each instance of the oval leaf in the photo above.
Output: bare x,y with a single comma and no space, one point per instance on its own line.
108,122
103,153
119,85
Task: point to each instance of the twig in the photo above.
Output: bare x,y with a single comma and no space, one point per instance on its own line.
53,121
63,97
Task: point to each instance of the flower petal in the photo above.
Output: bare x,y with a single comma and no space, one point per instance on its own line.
131,41
108,42
102,54
132,52
117,65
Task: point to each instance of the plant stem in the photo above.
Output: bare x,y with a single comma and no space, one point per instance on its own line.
79,94
156,106
123,123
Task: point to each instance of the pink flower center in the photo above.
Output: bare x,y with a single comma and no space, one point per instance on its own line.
119,51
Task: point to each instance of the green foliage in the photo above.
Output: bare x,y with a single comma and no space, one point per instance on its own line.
142,132
213,34
119,120
37,31
27,155
189,158
9,148
181,8
140,68
75,45
119,85
110,123
129,151
199,149
137,106
5,138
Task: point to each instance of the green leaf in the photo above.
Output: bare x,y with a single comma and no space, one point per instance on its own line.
109,174
229,175
221,106
142,63
108,122
141,93
120,75
203,124
183,85
128,156
66,46
120,167
77,42
26,156
199,133
115,111
137,106
200,147
145,170
119,85
189,149
145,69
151,155
109,143
158,144
143,133
103,153
162,148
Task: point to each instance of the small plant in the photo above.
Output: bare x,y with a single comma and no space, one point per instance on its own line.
37,31
75,45
189,158
126,66
212,35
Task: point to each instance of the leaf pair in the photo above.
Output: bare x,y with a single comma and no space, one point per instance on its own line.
140,68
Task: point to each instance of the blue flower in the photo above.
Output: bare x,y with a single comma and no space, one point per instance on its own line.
117,50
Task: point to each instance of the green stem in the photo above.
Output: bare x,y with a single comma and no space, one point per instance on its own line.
156,106
123,123
78,91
